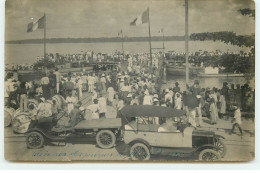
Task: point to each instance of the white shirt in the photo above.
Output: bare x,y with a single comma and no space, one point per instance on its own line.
148,100
168,96
102,103
237,117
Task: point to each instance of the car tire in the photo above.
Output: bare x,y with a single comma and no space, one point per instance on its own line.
139,151
222,147
105,139
209,155
34,140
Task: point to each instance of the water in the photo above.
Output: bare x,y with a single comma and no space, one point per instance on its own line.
205,82
27,53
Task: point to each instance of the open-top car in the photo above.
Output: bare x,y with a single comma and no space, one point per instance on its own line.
168,137
46,130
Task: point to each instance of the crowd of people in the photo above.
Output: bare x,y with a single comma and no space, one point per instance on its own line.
126,85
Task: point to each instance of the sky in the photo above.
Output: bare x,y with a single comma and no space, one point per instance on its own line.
105,18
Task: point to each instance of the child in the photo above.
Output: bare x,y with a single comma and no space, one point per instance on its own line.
237,120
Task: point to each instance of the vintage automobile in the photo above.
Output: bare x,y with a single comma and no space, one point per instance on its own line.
45,130
168,137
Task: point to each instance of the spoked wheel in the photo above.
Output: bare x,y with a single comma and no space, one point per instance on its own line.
139,151
34,140
105,139
209,155
221,147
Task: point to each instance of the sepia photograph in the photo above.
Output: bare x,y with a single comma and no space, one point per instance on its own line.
129,81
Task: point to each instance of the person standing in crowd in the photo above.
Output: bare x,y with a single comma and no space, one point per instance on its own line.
94,108
53,83
195,89
45,86
79,87
91,82
23,97
147,98
213,111
68,86
178,101
222,105
102,103
135,100
176,88
70,100
58,80
168,98
84,81
237,120
199,111
103,82
111,95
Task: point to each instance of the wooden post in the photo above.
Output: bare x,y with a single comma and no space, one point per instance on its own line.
44,41
187,40
151,59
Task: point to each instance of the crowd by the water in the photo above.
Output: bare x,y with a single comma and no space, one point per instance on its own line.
126,85
196,59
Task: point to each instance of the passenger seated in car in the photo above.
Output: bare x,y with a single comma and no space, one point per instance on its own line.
169,126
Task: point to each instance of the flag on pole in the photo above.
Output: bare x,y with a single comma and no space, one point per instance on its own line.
143,18
161,30
36,25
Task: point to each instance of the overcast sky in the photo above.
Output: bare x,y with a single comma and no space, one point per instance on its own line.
105,18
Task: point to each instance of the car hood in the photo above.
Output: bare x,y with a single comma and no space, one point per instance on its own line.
202,133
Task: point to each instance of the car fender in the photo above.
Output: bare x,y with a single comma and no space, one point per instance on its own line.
45,135
206,146
219,137
139,140
37,130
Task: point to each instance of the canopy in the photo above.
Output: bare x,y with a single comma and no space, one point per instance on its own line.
150,111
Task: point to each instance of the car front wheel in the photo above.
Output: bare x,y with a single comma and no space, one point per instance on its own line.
34,140
105,139
221,147
139,151
209,155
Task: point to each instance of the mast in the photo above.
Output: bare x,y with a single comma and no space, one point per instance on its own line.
187,40
151,59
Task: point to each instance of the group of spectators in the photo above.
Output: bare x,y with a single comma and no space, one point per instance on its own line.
129,84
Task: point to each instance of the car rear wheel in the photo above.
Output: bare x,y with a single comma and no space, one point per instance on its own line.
221,147
105,139
209,155
34,140
139,151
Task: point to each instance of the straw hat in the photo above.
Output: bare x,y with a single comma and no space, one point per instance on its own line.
103,75
42,99
146,92
122,80
129,95
155,100
167,90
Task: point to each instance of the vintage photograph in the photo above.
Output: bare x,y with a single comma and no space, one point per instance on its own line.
129,80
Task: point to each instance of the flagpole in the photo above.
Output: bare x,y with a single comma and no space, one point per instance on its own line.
44,41
150,44
187,41
122,42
